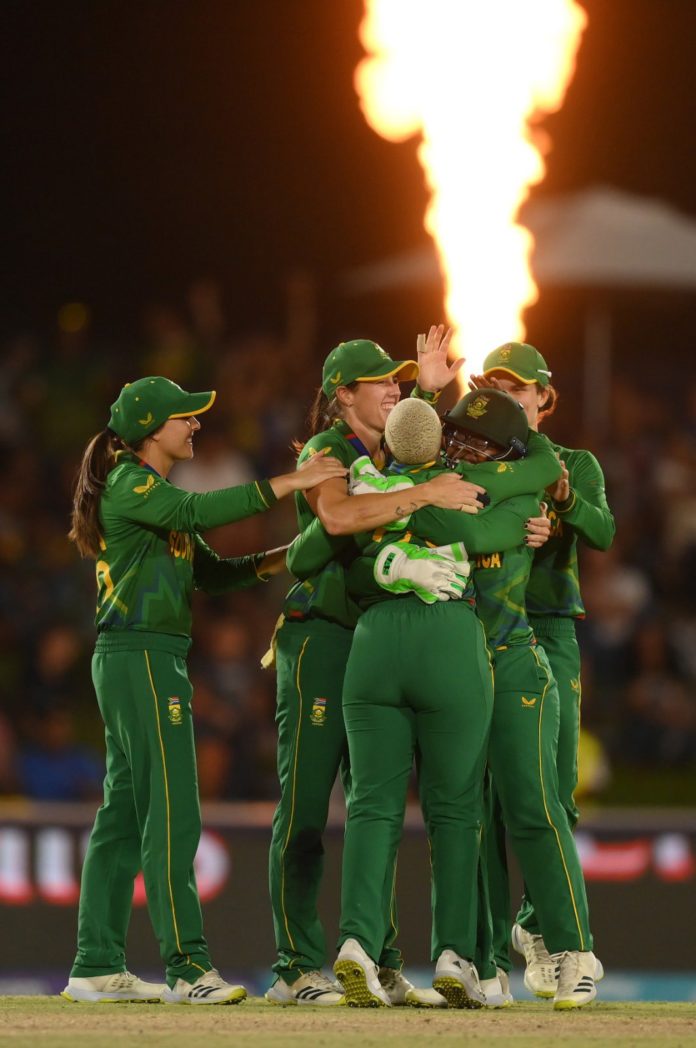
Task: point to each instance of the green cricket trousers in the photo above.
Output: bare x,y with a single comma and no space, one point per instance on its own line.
557,637
418,679
311,657
150,818
522,759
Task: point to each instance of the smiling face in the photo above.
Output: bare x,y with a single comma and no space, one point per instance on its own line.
368,404
174,440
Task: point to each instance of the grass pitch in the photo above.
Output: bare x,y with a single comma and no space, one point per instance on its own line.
27,1022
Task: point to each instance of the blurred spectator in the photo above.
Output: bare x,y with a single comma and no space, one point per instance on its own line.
52,766
616,597
660,722
171,348
216,463
639,675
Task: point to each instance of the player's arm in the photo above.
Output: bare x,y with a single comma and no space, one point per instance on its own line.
434,372
498,527
314,548
582,500
344,514
140,496
214,574
504,480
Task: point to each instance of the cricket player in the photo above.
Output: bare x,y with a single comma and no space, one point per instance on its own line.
579,513
524,733
144,536
360,387
397,691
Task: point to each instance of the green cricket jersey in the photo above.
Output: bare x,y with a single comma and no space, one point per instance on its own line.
322,592
314,548
500,526
554,584
152,556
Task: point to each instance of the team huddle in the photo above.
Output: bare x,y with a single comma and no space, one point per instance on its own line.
432,622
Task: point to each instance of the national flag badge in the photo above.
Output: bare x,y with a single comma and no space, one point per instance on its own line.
318,715
174,709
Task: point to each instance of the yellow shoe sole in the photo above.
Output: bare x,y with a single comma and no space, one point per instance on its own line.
567,1006
111,1000
454,993
355,989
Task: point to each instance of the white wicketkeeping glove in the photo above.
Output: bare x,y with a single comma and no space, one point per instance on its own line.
405,568
366,479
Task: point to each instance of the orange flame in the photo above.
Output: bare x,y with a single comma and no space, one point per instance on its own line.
472,79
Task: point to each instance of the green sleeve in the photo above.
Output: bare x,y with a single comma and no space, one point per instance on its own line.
495,529
314,548
140,496
587,508
215,574
504,480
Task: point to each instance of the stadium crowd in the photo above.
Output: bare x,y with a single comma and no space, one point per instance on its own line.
638,641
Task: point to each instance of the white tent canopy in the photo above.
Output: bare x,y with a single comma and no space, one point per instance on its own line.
605,238
599,237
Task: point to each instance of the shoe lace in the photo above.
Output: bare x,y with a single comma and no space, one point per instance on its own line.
539,953
567,974
124,980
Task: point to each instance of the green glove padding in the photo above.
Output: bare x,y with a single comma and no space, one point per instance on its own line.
366,479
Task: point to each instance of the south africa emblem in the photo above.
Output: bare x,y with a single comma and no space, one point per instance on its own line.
175,715
318,715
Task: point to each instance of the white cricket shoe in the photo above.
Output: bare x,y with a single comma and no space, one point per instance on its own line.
311,988
457,980
497,990
576,979
112,989
540,976
357,974
402,992
211,988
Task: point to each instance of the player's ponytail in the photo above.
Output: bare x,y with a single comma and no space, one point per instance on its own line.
99,458
322,414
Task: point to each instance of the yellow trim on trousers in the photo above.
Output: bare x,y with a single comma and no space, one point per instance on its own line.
169,833
546,810
292,803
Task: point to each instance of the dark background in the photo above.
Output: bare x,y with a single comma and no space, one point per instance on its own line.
146,144
154,147
151,144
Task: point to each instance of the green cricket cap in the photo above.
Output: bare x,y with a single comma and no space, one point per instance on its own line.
491,414
521,360
362,361
143,406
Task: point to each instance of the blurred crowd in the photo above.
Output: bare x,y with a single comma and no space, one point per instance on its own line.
638,642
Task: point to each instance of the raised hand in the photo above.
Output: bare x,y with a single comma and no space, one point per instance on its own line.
483,382
434,371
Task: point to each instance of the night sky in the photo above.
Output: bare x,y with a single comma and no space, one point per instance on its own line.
149,142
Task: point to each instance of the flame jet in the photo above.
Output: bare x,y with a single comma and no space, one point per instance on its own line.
474,80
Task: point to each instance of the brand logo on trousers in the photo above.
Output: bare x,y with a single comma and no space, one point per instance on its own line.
529,702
